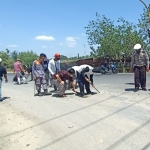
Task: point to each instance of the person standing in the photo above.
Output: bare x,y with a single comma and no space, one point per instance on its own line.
18,70
54,67
39,75
139,65
3,72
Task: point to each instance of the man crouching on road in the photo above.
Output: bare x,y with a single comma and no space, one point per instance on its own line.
84,75
39,76
60,80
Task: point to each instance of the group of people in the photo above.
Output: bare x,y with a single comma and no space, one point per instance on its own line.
45,72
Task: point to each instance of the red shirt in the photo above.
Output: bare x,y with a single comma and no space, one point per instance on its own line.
63,74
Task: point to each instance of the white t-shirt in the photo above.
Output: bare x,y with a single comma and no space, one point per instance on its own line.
82,67
53,66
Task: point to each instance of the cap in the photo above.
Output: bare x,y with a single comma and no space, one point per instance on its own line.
0,59
18,59
71,70
137,46
57,55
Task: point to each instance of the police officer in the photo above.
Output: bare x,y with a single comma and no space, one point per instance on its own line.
39,75
139,65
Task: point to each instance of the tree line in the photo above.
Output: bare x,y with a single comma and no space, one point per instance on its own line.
107,37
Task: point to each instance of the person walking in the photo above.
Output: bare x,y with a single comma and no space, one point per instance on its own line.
60,79
54,68
84,75
19,72
39,76
3,72
139,65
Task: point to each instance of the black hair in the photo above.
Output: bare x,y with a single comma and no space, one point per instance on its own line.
42,55
71,70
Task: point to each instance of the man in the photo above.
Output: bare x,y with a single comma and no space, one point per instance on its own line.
2,73
60,80
29,70
54,67
139,64
46,61
84,74
39,75
19,72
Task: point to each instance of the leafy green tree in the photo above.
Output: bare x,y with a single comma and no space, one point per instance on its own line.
106,38
14,55
27,57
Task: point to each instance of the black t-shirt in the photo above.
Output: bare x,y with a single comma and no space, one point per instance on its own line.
2,71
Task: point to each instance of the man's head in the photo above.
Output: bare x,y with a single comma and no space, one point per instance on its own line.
0,60
137,48
57,56
71,72
42,56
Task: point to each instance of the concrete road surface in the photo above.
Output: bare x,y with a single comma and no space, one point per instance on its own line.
115,119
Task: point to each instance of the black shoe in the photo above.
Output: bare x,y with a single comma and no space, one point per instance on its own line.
136,90
39,94
144,89
92,93
47,93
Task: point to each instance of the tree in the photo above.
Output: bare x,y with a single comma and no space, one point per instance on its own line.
14,55
144,25
27,57
106,38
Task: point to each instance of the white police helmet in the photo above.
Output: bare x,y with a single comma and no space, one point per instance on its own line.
137,46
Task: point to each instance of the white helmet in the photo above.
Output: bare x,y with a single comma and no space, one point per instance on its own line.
0,60
137,46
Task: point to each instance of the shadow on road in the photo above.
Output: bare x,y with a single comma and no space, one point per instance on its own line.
130,83
130,89
5,98
146,146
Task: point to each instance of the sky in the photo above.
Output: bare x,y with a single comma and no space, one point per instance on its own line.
57,26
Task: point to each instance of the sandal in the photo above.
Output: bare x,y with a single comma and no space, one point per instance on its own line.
63,95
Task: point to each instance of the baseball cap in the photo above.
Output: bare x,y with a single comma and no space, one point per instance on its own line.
0,59
57,55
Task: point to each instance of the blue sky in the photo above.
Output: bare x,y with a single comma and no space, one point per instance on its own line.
52,26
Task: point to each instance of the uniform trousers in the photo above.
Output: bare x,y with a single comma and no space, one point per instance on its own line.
140,76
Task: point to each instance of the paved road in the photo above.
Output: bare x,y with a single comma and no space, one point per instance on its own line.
117,118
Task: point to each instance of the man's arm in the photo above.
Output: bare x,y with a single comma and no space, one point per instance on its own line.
5,75
59,79
147,61
50,68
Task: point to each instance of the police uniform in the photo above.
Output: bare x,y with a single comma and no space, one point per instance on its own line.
39,74
139,62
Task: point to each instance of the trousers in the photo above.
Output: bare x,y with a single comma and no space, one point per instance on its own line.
60,87
40,82
140,76
82,82
0,89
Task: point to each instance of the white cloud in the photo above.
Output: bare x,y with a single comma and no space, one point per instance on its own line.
45,38
71,42
44,46
61,43
12,45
